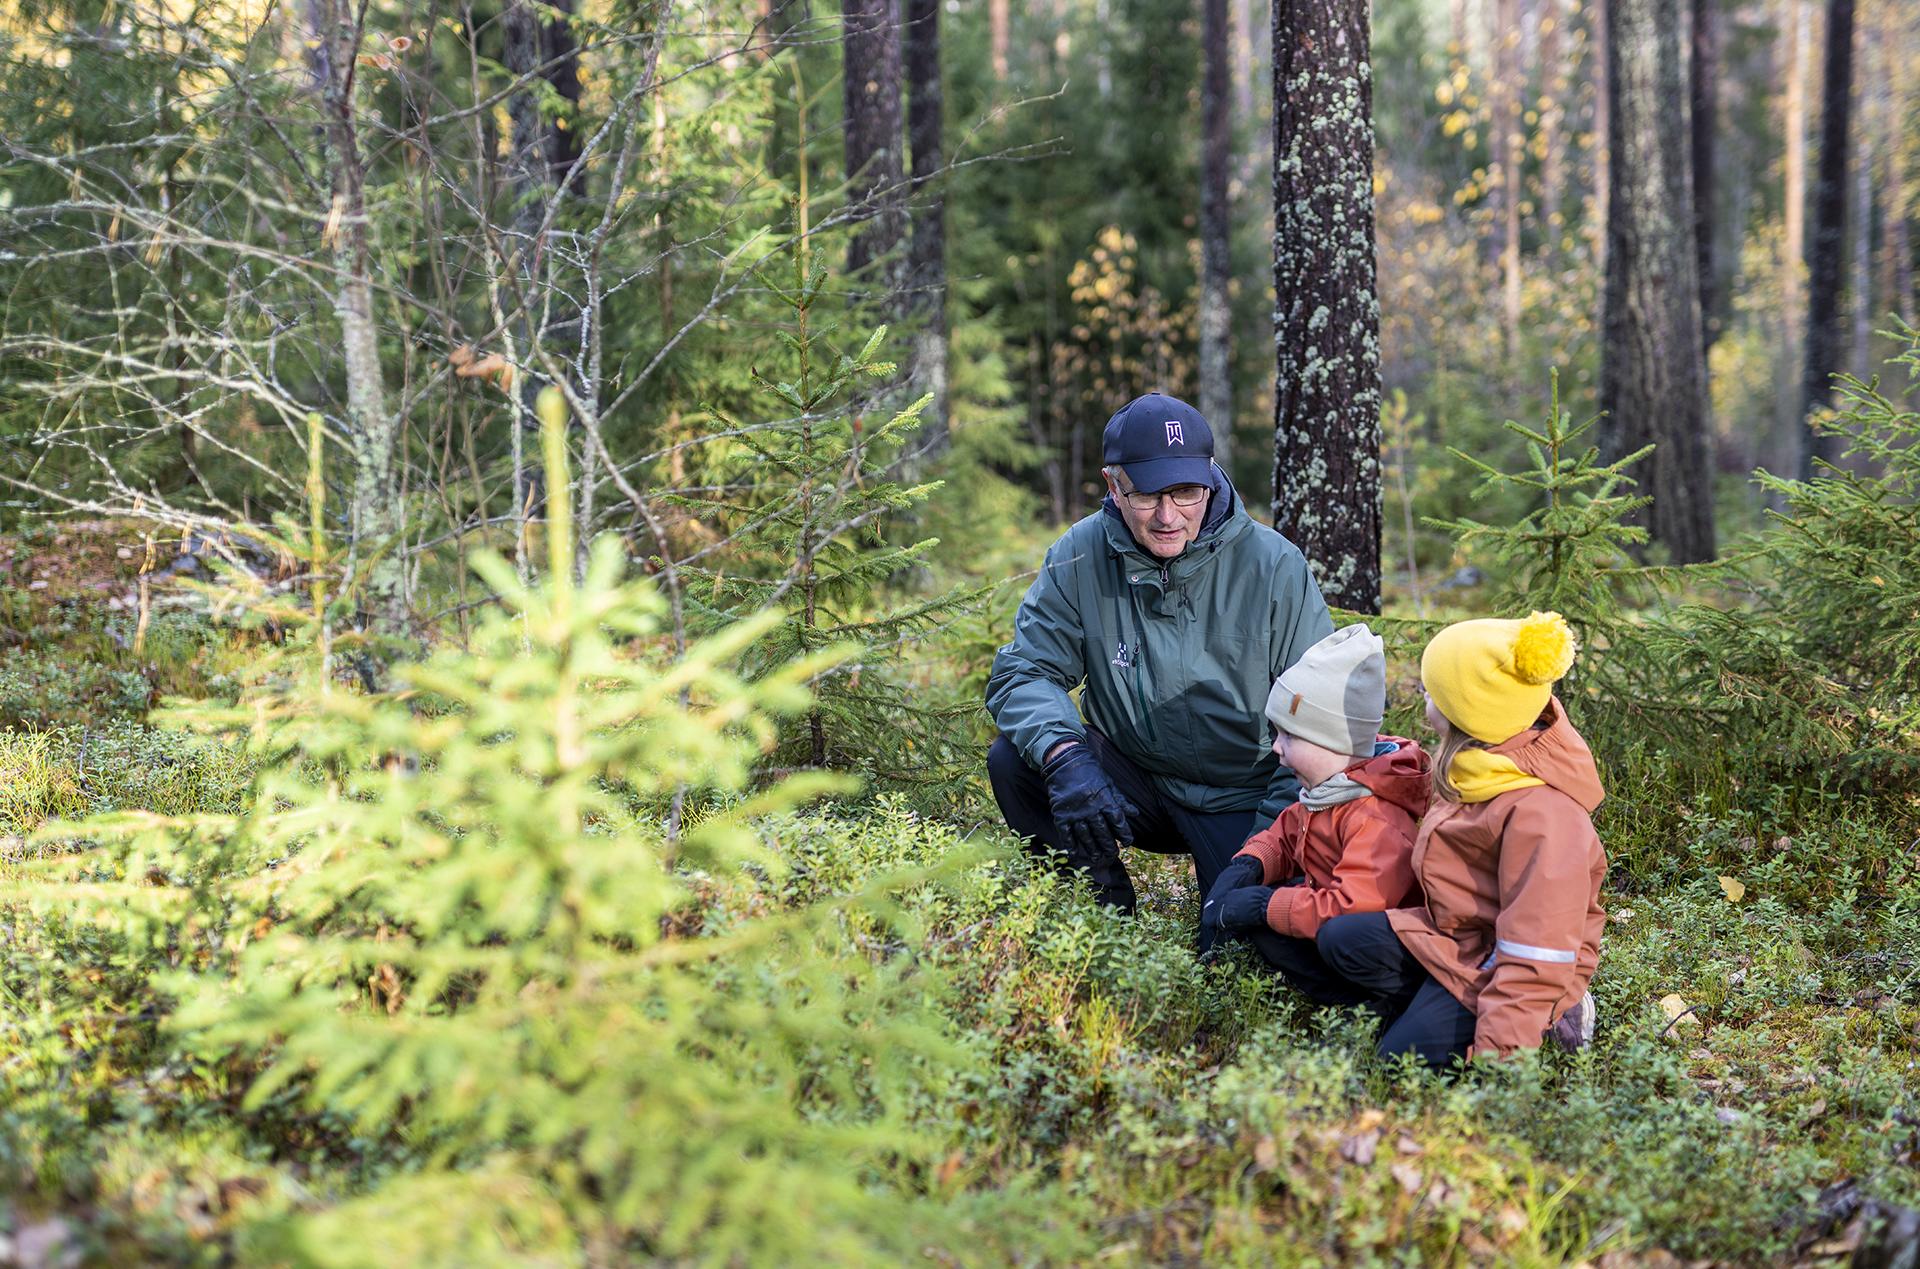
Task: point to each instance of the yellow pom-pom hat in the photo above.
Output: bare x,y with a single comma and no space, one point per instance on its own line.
1492,677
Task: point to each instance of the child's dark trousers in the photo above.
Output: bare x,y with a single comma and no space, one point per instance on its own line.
1357,959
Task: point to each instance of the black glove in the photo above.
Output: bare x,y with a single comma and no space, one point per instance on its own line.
1245,908
1241,871
1091,813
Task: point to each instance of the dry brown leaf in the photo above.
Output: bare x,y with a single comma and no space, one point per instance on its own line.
1266,1155
1408,1176
1733,889
1361,1147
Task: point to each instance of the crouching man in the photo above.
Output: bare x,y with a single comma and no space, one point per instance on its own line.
1174,611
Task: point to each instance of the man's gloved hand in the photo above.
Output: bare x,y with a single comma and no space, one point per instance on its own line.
1241,871
1091,813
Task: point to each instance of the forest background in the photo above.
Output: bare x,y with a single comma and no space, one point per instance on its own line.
510,506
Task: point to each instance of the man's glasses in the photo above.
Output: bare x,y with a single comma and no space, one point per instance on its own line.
1179,495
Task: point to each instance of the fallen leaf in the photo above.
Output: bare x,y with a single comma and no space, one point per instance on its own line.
1679,1012
1361,1147
1734,891
1266,1156
1408,1176
1407,1145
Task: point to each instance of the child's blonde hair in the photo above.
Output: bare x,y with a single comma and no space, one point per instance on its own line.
1453,742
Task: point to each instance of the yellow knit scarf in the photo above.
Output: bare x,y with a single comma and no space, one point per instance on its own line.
1482,775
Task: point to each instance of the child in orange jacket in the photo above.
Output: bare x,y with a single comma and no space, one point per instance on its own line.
1347,844
1499,955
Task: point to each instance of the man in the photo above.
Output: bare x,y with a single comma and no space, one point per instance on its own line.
1176,610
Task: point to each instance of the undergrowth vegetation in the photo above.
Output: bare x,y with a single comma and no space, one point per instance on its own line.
531,960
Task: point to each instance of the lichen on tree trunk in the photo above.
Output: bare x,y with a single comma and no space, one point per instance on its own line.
1326,473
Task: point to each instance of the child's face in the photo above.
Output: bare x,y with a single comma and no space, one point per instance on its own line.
1435,719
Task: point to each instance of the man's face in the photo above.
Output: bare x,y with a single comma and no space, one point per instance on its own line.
1164,528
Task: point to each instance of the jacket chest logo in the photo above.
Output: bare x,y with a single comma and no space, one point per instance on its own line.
1123,657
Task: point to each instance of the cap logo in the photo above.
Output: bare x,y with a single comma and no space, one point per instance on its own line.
1295,707
1174,435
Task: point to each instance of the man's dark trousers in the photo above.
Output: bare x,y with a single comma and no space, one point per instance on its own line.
1162,825
1422,1016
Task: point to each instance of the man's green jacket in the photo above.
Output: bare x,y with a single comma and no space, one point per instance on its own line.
1177,655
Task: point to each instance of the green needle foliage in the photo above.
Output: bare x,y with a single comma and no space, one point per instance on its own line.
1819,673
814,491
454,920
1571,550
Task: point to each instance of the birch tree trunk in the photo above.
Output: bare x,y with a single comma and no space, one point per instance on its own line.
1216,312
1326,470
376,515
1653,373
1826,248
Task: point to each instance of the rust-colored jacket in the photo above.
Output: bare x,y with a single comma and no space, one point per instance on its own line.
1512,921
1355,857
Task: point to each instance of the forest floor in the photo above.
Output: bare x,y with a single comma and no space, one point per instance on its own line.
1751,1096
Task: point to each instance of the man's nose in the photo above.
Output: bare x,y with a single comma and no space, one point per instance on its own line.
1164,513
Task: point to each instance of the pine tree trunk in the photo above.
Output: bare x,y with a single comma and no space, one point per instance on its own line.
1326,472
1601,17
1899,235
1826,247
375,514
1703,90
870,43
1785,450
1508,151
1553,118
998,36
927,285
1860,274
1653,374
1216,312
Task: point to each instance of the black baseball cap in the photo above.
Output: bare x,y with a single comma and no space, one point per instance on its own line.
1159,441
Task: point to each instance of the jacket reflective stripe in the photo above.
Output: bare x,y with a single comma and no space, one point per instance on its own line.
1526,951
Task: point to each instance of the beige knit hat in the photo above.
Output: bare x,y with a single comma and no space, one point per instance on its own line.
1336,693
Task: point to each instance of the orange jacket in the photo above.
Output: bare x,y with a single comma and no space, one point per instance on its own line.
1355,857
1512,920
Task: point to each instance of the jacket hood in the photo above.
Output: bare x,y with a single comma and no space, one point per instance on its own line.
1557,755
1399,775
1226,500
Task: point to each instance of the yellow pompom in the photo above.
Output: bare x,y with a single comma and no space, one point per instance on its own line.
1543,649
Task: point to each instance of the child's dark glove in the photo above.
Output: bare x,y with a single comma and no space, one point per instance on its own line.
1241,871
1245,908
1092,814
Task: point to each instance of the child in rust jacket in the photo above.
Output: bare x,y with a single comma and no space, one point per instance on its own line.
1347,844
1499,955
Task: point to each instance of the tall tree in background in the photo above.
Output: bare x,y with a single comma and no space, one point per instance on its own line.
1825,246
334,36
927,252
1789,365
1703,90
870,45
541,54
1326,469
1600,19
1216,232
1508,143
1653,365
